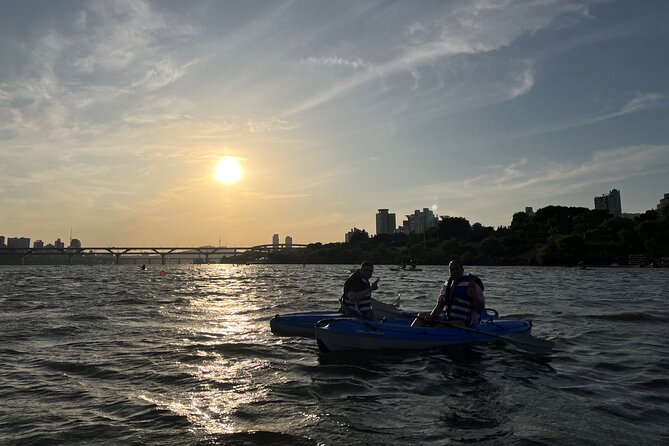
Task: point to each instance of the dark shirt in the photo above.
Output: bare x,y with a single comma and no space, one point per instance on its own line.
356,282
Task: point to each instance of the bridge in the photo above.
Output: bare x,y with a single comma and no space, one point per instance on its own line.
18,255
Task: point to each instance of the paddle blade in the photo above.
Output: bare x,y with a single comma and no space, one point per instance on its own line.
386,310
529,343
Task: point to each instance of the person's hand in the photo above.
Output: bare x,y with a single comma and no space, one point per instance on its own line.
375,285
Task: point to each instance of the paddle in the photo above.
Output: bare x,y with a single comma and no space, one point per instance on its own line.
388,310
523,341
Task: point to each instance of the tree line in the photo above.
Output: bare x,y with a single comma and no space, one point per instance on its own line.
553,236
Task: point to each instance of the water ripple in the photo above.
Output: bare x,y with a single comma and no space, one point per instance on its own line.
124,356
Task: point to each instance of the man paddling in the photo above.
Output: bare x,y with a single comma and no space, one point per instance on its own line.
357,297
460,302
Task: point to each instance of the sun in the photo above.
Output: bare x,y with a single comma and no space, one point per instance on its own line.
228,170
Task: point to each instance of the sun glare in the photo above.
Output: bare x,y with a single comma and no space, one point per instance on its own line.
228,170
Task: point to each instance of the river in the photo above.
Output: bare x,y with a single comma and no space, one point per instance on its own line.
113,355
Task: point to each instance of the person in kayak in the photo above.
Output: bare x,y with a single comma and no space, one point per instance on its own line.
460,302
357,297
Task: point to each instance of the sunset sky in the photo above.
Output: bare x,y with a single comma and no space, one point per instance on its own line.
115,114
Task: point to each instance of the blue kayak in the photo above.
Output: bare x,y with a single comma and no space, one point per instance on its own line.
346,334
302,324
299,324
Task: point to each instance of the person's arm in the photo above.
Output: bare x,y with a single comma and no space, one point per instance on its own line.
436,311
355,296
441,303
476,293
480,299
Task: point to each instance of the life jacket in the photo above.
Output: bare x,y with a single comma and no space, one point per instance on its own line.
364,304
459,304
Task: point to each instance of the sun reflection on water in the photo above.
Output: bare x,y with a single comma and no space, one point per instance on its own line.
219,320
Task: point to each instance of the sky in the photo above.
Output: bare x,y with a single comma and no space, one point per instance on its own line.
114,114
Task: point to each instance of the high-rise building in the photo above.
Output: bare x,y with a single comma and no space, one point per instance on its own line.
385,222
529,211
349,235
289,241
58,244
610,202
75,243
419,221
2,241
38,244
18,242
275,240
664,202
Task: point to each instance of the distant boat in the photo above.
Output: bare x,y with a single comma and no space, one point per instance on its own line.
405,269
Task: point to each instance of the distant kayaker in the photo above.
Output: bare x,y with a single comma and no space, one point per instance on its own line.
460,302
357,297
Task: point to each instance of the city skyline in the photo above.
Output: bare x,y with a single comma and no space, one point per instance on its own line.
601,202
146,123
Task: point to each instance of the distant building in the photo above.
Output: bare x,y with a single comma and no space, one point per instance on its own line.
275,240
385,222
349,235
664,202
58,244
419,222
289,241
529,211
75,244
38,244
610,203
18,242
2,241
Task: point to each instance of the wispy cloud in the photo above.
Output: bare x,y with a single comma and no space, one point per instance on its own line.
472,28
531,181
268,125
640,102
524,81
334,61
78,76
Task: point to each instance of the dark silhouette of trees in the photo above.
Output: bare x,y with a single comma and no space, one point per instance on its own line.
554,235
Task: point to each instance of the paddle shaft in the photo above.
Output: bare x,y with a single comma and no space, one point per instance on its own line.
527,342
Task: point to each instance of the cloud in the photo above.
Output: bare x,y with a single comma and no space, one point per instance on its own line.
89,70
162,73
334,61
640,102
458,29
529,181
269,125
159,110
524,81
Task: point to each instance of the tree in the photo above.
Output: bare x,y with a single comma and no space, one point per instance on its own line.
492,247
454,228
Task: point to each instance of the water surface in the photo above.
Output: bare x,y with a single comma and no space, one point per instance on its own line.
114,355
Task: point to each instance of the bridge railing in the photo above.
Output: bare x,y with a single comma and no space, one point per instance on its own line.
135,251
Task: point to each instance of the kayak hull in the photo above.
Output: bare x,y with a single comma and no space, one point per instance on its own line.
302,324
345,334
299,324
